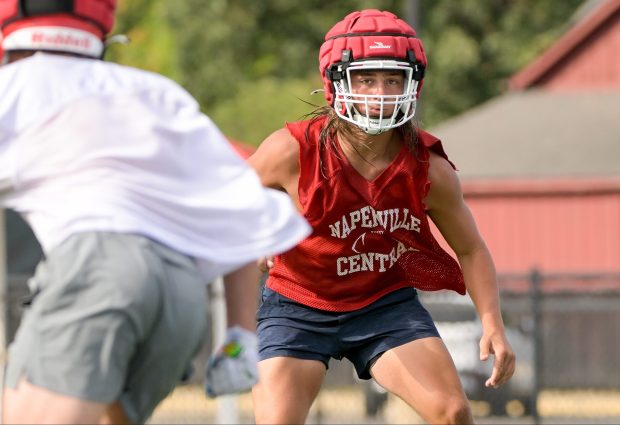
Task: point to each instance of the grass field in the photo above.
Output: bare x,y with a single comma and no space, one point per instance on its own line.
188,405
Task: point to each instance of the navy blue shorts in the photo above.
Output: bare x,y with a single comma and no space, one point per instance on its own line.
287,328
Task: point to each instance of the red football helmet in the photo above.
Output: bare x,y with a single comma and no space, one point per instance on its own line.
372,40
74,26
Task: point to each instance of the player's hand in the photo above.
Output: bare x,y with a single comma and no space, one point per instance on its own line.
265,263
233,367
495,343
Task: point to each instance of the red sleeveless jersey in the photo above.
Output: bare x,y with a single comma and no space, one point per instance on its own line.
369,237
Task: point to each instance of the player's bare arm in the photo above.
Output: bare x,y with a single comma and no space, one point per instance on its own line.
277,162
453,218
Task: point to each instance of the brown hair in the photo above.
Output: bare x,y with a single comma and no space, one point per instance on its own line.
334,125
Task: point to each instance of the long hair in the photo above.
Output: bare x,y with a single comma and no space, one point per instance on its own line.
334,125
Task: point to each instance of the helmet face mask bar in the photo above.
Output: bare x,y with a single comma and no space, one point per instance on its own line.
393,109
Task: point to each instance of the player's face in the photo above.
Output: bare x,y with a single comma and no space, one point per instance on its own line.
377,83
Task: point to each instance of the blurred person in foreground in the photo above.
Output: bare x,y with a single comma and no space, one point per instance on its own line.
367,179
137,200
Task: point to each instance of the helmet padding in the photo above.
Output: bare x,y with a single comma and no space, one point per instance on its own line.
73,26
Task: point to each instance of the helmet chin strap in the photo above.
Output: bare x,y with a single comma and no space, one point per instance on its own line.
378,126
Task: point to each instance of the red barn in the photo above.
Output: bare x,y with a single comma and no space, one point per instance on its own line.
540,165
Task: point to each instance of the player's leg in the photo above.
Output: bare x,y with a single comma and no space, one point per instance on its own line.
114,415
295,343
29,404
422,373
395,341
286,390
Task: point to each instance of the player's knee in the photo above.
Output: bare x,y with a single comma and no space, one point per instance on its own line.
269,408
280,416
455,411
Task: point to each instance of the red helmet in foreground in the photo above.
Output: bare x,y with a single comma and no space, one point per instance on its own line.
73,26
372,40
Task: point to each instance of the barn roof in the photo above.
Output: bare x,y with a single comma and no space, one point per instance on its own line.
537,133
561,118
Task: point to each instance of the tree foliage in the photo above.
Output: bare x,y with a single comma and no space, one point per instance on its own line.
227,42
475,46
253,64
153,42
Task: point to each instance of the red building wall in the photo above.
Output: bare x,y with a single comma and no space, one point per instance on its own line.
593,64
557,227
556,234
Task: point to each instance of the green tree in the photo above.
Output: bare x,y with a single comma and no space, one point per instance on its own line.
153,42
252,64
475,46
225,42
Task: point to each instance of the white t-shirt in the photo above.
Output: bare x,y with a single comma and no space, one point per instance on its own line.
89,145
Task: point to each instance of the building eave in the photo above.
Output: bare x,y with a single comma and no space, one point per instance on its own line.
537,69
529,187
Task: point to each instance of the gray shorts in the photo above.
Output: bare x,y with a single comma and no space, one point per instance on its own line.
118,318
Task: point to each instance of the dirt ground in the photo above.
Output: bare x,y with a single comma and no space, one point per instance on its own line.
188,405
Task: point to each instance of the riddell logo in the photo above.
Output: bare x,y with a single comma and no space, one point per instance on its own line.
380,45
39,38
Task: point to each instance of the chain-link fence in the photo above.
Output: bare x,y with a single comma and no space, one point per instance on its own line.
564,328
